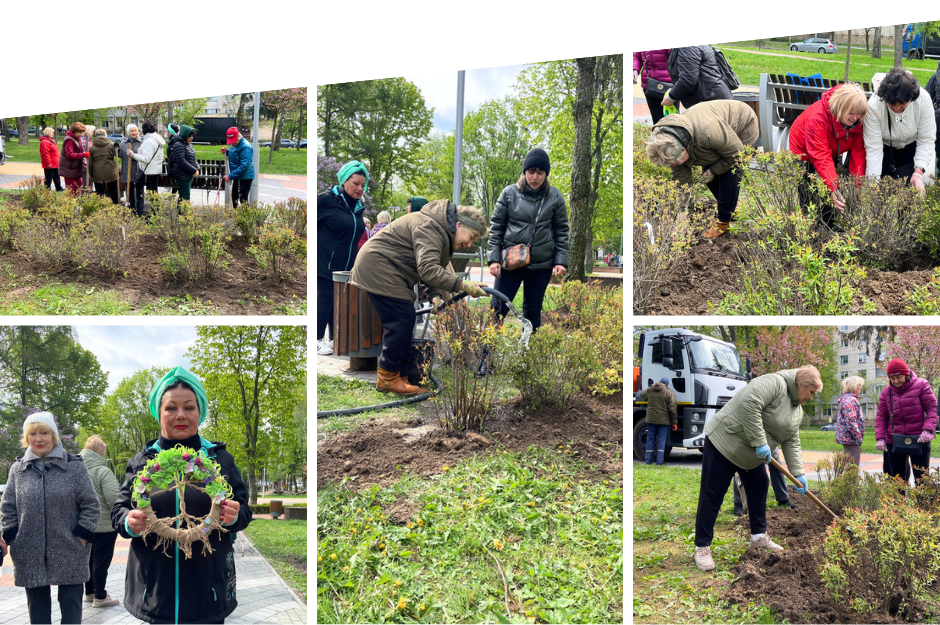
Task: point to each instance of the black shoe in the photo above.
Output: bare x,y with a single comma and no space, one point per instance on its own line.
481,370
786,504
738,511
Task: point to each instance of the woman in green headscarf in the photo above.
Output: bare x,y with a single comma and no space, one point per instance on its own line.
175,589
339,228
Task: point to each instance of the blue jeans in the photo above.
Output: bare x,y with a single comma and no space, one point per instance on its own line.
656,442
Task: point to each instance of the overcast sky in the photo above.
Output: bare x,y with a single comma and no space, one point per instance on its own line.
123,350
440,91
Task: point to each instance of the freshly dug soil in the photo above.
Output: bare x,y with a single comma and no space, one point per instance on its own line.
242,289
710,268
788,581
379,451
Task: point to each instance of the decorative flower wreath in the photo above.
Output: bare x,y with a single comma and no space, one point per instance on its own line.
175,469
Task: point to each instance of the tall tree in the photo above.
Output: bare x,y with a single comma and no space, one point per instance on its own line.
581,169
251,375
898,46
876,44
22,127
919,347
848,55
281,102
433,176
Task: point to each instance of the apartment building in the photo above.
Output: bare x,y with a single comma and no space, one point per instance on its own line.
853,360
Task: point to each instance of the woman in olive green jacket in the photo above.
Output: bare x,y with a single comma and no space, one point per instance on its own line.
414,248
102,546
765,414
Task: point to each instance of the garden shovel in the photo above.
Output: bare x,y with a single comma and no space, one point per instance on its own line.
815,499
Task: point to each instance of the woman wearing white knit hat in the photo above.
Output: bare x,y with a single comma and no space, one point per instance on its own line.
48,548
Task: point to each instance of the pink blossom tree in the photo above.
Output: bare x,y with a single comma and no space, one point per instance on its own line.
282,102
919,347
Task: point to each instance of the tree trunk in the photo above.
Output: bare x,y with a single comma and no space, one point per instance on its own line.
300,127
169,115
271,149
867,31
581,165
876,44
22,126
848,55
898,46
276,142
240,115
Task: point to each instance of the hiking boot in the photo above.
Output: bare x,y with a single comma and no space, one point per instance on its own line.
717,230
786,504
482,370
765,543
108,601
703,559
389,381
89,598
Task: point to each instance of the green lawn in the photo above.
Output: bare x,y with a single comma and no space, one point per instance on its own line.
667,588
284,546
292,162
813,439
749,65
523,521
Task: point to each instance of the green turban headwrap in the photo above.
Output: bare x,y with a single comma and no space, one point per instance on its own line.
350,168
174,375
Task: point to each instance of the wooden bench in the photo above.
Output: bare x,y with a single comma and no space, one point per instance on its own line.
781,100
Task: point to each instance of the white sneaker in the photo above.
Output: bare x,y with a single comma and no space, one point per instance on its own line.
325,348
703,559
104,603
764,542
89,598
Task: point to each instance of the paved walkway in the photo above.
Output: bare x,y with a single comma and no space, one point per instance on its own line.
263,597
272,187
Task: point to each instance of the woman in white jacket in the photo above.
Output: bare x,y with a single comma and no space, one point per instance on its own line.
150,156
900,130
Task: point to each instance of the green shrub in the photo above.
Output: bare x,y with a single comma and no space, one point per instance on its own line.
885,216
197,239
165,215
12,219
642,167
884,559
929,227
277,248
112,234
291,214
558,363
91,203
53,236
925,299
260,508
36,193
250,218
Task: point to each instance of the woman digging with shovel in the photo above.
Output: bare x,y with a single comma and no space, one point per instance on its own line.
414,248
766,413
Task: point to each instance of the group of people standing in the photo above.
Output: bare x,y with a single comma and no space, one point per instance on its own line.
893,133
88,157
417,248
60,515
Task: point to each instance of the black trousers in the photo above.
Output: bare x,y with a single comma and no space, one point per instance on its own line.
240,189
895,463
102,551
398,318
777,482
135,197
108,188
717,473
726,188
535,283
656,107
150,182
39,603
52,176
808,195
899,158
324,307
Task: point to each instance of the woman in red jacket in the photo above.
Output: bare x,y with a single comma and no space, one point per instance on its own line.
829,128
49,153
905,421
652,64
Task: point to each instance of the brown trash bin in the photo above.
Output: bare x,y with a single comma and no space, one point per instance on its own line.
357,330
276,505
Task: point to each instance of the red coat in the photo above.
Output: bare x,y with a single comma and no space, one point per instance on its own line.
817,137
913,405
363,238
71,165
49,153
652,64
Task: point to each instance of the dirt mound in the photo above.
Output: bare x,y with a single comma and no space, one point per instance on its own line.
378,452
710,268
788,581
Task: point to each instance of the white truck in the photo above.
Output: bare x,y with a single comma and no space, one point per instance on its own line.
704,373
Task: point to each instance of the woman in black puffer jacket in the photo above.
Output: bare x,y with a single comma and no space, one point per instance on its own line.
183,164
530,212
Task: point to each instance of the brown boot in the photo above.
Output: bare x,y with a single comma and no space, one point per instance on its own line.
717,230
389,381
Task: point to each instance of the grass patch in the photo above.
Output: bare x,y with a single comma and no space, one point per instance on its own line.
335,393
667,588
284,546
749,65
285,162
67,299
558,539
817,440
188,305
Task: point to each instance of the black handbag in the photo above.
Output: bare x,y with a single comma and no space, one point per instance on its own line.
657,88
904,442
904,171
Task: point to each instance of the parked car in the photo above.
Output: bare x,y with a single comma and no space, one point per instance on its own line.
285,143
829,427
116,138
3,153
815,44
303,144
14,132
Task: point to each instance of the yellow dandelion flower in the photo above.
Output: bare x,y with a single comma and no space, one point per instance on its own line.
398,582
381,545
409,524
402,603
446,468
319,558
421,608
333,556
481,499
420,521
498,545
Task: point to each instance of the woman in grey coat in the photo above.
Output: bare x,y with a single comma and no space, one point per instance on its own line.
48,516
135,192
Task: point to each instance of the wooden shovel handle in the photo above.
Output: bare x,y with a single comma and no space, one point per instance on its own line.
815,499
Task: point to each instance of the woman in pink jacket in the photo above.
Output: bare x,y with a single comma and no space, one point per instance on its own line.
905,422
652,64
